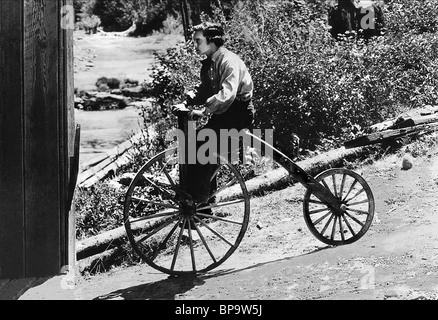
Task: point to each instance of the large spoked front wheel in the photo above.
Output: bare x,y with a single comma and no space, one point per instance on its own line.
174,234
348,223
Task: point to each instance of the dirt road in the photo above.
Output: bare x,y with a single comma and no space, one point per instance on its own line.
396,259
100,55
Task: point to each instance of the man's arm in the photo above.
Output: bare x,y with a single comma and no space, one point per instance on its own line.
230,81
197,96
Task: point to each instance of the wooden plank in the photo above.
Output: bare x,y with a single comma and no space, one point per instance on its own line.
43,174
71,138
15,288
102,174
379,137
109,162
113,153
11,145
415,121
96,169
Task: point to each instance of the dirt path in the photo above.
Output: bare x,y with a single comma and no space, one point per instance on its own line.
111,56
396,259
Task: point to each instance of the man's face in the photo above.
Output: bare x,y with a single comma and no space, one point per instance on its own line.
201,45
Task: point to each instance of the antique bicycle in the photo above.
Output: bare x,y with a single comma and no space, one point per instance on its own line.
176,235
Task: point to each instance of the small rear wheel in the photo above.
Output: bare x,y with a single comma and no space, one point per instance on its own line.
174,234
352,220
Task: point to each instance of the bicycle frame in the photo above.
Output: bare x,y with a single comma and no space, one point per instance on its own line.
295,171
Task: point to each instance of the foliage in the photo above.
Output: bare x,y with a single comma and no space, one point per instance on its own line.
119,15
89,23
306,83
416,16
98,208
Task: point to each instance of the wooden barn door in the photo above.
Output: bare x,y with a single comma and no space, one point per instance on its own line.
36,138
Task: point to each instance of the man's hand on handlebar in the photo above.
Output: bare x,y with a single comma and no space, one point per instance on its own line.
196,114
179,109
182,110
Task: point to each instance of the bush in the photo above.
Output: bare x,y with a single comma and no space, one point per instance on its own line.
417,16
98,209
89,23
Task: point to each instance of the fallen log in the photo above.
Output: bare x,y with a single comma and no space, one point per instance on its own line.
99,262
389,135
408,119
103,242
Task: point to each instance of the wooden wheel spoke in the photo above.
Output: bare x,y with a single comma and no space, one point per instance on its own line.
164,242
221,204
204,242
229,184
341,191
215,173
356,195
351,189
334,228
155,203
192,250
341,229
354,219
327,224
348,225
178,245
213,217
166,173
358,203
216,233
173,185
318,211
322,218
160,189
154,216
317,202
161,227
359,211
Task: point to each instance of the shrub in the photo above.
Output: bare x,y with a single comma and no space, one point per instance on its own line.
89,23
98,208
416,16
